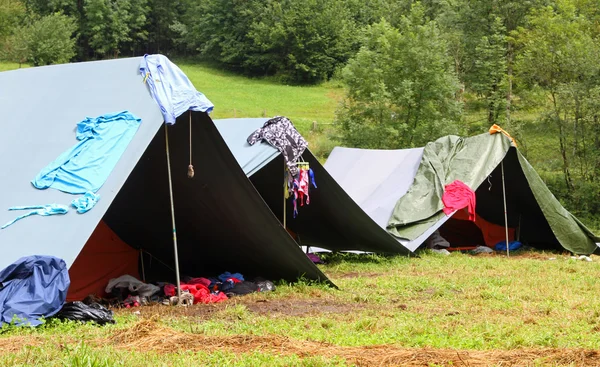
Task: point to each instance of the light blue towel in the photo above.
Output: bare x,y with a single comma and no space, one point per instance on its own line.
86,202
44,210
171,88
86,166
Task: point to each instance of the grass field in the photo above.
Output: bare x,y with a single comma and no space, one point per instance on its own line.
533,309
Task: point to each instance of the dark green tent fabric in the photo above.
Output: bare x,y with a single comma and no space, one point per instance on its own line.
544,222
449,158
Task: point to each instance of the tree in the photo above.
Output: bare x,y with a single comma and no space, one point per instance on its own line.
489,74
50,39
303,41
109,26
560,57
12,13
219,31
401,86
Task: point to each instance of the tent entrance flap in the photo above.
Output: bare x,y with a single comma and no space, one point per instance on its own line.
222,223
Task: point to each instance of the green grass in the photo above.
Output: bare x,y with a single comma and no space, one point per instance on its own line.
458,302
238,96
5,66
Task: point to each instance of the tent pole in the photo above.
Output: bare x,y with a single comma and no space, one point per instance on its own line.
505,215
142,261
172,215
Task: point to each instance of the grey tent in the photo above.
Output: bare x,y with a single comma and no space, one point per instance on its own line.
222,224
402,189
332,220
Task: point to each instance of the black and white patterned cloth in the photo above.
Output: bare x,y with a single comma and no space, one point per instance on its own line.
281,134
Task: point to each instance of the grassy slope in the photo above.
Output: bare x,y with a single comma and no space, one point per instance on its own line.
237,96
4,66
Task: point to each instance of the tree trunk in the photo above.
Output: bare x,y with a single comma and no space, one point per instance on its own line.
509,74
563,144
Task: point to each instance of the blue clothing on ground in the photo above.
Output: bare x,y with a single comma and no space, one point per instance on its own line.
86,202
86,166
43,210
226,275
512,246
171,88
32,287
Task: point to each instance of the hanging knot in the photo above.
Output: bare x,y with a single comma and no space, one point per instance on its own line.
190,171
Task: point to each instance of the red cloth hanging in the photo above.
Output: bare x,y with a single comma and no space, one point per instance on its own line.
456,196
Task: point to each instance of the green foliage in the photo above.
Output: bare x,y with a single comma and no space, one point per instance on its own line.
560,57
43,41
401,87
12,13
219,30
110,25
303,40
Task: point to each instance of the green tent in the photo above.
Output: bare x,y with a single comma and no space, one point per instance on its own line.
481,162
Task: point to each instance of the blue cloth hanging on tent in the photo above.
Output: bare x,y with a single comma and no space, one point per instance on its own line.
171,88
86,166
86,202
33,287
43,210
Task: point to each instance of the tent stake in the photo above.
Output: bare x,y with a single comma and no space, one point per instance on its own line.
505,215
172,215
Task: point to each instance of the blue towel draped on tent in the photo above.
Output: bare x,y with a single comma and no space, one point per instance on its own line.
86,166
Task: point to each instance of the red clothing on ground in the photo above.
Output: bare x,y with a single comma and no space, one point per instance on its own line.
202,294
456,196
199,291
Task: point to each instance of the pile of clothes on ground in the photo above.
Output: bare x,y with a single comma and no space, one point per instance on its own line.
127,291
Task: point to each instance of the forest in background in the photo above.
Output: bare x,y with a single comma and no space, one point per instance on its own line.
411,71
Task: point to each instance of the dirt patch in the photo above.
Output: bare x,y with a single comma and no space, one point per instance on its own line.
149,335
299,307
14,344
354,274
260,306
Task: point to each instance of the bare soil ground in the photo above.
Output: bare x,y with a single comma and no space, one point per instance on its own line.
275,307
148,334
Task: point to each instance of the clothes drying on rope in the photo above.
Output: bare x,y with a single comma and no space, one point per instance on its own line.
281,134
297,186
171,88
86,166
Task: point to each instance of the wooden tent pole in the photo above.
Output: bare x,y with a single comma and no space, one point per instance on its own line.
505,215
173,215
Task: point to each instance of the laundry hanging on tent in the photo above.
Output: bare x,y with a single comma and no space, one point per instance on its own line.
86,166
281,134
171,88
298,187
86,202
43,210
457,196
